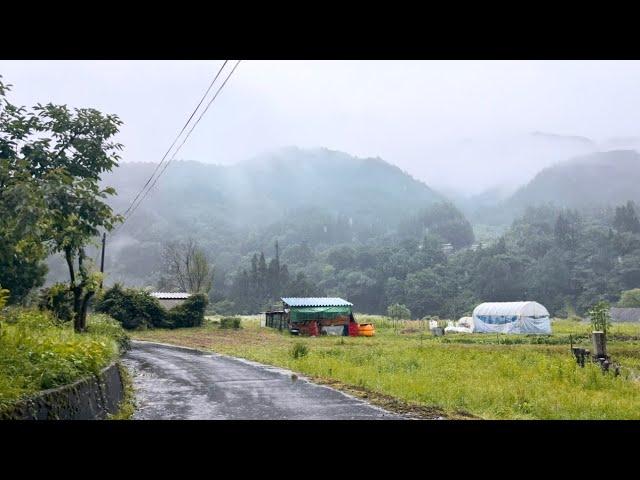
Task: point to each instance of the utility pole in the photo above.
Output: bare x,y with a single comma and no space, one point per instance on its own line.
104,239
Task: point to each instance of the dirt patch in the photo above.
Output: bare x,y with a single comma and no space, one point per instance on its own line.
412,410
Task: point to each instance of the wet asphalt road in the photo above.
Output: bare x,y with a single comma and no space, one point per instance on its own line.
178,383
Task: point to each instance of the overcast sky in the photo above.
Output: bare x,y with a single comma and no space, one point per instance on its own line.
453,124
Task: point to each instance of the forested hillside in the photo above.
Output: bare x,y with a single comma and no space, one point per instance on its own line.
580,182
314,197
302,223
588,182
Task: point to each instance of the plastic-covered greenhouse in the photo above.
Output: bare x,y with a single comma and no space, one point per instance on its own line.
511,317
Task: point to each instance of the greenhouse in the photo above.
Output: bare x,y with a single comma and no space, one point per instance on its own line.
511,317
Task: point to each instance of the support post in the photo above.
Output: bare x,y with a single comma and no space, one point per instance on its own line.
104,240
599,344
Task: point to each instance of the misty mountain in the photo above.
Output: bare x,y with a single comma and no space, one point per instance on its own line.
274,186
575,140
313,197
590,181
470,167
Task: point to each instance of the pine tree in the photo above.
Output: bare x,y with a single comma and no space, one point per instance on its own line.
262,279
626,219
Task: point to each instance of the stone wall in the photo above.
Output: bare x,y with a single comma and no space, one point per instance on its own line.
91,398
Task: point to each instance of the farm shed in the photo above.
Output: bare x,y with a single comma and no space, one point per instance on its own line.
511,317
169,300
313,316
625,314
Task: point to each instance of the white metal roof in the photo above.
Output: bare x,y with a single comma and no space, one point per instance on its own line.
170,295
522,309
316,302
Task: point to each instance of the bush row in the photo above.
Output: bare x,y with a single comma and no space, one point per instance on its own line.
137,309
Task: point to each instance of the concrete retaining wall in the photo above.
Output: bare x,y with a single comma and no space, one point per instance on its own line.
90,398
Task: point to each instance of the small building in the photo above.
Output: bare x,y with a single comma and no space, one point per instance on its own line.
625,314
511,317
313,316
169,300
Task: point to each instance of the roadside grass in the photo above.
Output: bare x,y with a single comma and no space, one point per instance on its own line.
127,406
36,353
488,376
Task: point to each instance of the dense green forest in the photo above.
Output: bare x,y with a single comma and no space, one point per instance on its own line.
319,222
558,257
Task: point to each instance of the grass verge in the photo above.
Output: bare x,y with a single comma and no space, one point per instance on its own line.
127,406
37,353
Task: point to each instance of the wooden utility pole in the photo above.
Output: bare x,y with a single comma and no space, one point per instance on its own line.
104,240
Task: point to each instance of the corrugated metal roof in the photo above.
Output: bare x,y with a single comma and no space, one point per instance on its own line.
166,295
315,302
625,314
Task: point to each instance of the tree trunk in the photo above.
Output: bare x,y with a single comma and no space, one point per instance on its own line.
77,307
77,292
81,325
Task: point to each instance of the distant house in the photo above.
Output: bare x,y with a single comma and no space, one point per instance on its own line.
169,300
625,314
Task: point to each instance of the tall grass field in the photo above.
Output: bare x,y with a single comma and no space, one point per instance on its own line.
484,375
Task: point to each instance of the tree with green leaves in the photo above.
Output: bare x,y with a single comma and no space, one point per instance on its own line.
398,312
630,298
22,219
59,156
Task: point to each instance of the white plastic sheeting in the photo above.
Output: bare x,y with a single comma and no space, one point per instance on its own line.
464,325
511,317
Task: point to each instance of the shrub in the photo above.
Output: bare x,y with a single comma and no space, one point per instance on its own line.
37,352
4,297
190,313
134,309
101,324
398,312
230,322
58,299
599,316
298,350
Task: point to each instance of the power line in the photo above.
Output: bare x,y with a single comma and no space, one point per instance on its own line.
183,142
177,137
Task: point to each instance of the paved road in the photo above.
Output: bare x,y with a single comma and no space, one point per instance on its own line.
178,383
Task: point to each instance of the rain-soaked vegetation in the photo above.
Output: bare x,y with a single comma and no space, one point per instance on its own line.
482,375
